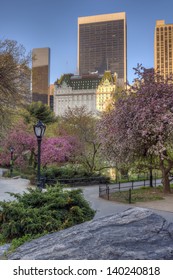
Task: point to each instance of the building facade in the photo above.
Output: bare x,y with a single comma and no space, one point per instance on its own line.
93,91
105,93
66,97
163,48
76,91
40,74
102,44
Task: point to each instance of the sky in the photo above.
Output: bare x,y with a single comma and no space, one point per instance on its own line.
53,24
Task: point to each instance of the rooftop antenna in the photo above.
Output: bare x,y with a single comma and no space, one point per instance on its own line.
66,66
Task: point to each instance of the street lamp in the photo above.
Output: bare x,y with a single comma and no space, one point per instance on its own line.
11,161
39,130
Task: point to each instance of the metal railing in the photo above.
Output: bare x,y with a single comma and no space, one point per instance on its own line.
72,182
105,191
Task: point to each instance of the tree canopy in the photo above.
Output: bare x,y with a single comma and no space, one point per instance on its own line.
14,77
38,111
81,123
141,123
56,150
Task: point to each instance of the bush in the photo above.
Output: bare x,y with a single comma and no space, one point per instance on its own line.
73,172
66,172
36,213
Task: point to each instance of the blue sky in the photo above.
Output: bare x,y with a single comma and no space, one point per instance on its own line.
53,23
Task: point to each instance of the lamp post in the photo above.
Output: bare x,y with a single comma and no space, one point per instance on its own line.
39,130
11,161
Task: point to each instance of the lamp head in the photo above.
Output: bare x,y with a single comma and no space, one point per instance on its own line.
11,149
39,129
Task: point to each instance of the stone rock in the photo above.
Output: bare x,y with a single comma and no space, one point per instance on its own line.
134,234
3,250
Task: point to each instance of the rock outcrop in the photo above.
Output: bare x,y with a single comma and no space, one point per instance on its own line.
134,234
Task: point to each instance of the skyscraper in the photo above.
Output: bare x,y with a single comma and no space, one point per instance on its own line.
102,44
163,48
40,74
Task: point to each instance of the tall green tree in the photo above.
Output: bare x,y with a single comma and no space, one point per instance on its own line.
38,111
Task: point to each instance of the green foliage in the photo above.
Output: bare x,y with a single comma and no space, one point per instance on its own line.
14,84
38,111
16,242
67,172
70,172
64,78
2,239
142,194
36,213
82,124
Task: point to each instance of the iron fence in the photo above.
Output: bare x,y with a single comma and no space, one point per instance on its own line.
73,182
106,190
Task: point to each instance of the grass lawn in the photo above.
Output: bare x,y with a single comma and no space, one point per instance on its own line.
143,194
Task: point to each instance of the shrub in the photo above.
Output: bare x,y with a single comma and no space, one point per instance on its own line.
69,172
66,172
36,213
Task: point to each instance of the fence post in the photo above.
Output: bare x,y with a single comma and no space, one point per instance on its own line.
132,185
130,196
107,190
155,180
119,185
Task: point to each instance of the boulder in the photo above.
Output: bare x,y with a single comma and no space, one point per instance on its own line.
135,234
3,250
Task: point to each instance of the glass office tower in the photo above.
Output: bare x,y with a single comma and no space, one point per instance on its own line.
40,74
102,44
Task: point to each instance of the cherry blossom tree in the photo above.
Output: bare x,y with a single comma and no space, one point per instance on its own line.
59,149
23,142
141,123
53,150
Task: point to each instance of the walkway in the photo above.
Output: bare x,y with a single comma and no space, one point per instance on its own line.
106,207
91,194
17,185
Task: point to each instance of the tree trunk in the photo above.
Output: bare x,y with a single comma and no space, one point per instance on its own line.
165,180
151,177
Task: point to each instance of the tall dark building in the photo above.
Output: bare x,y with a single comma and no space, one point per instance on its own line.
102,44
40,74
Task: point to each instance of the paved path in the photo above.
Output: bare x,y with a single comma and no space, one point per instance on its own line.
12,185
103,207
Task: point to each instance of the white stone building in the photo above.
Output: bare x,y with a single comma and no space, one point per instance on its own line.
92,91
65,97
